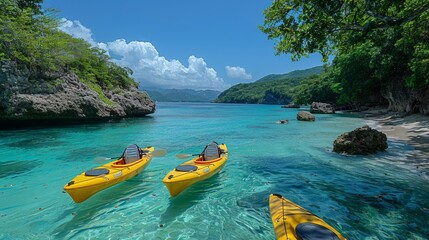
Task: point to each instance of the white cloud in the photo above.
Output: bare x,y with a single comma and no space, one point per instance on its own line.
237,73
148,66
77,30
153,69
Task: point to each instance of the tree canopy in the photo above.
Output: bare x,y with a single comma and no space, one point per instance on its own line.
303,27
375,43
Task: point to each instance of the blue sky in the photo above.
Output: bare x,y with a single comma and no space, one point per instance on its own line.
181,44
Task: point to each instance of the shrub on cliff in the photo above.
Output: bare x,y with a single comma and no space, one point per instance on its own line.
32,39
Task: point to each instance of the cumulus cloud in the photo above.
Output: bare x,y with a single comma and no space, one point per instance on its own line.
148,66
153,69
237,73
77,30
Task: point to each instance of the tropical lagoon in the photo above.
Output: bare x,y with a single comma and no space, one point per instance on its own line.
364,197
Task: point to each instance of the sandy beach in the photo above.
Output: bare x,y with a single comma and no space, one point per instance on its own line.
412,130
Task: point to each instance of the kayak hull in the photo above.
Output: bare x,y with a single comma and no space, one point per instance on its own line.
83,187
177,181
286,216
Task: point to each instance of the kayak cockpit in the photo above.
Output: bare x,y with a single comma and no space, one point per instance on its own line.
186,168
211,153
131,156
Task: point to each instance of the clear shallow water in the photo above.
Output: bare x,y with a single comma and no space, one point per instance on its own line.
363,197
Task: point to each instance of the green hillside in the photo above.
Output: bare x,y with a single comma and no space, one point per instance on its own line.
297,74
271,89
31,39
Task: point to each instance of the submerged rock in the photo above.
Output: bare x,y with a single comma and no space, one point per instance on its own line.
305,116
318,107
361,141
285,121
62,96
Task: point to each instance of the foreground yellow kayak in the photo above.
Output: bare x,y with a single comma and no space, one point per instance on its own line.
131,163
198,169
292,222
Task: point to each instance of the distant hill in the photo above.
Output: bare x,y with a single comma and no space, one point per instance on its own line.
182,95
297,74
271,89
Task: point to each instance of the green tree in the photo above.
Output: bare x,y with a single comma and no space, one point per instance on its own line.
32,39
303,27
376,44
317,88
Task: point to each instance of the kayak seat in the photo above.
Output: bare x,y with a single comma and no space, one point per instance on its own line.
131,154
97,172
186,168
211,151
312,231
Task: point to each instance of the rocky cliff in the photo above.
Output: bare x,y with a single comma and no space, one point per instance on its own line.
61,95
404,99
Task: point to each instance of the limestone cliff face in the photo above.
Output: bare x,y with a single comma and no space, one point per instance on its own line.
404,99
62,96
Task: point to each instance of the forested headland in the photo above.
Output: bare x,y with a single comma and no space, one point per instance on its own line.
48,74
31,38
271,89
380,50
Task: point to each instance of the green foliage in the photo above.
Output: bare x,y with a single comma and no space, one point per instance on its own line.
317,88
244,93
356,73
375,43
100,92
297,74
92,65
416,39
419,66
32,39
277,89
303,27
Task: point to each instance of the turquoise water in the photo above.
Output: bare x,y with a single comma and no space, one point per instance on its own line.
363,197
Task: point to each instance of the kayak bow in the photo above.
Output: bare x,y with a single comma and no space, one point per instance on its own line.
292,222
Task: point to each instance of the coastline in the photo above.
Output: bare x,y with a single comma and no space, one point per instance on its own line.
412,130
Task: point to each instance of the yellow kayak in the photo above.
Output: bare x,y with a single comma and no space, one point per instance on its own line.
292,222
198,169
131,163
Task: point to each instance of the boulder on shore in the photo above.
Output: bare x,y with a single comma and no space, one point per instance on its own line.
305,116
361,141
318,107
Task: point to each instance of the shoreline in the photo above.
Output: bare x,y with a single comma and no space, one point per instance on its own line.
412,130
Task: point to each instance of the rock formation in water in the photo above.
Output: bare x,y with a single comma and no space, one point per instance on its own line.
285,121
318,107
305,116
63,96
361,141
